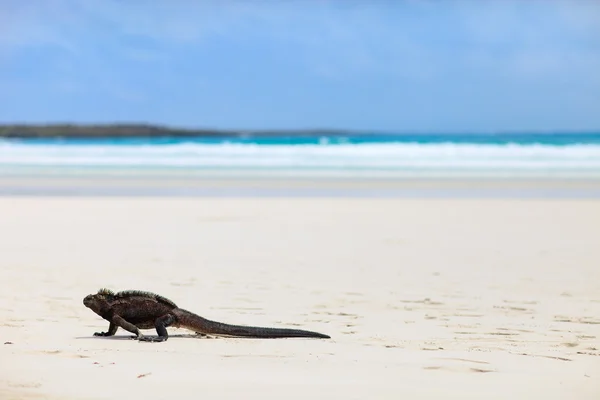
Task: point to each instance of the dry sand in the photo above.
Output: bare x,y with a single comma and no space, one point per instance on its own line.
462,299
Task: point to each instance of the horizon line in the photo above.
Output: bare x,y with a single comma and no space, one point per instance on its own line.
174,129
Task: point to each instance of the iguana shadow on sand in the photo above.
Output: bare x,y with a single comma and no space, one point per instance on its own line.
133,310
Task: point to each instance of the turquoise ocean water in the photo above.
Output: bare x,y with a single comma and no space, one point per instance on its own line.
484,155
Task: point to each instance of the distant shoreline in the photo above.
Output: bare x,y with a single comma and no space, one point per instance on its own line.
123,130
142,131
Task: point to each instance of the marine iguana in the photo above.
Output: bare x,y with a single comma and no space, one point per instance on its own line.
133,310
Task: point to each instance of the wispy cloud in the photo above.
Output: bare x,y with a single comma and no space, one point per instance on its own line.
34,24
533,39
332,37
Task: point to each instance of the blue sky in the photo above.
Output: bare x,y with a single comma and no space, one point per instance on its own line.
369,65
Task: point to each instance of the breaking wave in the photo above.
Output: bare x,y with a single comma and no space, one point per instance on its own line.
393,158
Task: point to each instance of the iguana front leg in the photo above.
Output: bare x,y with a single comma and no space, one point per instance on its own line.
112,329
118,321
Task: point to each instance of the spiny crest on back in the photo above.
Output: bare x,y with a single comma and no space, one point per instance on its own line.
106,292
142,293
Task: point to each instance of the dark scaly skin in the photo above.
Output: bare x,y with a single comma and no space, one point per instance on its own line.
133,310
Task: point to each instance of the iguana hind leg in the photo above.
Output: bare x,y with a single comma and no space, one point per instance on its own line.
161,325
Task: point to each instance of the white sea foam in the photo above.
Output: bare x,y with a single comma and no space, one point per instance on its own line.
401,158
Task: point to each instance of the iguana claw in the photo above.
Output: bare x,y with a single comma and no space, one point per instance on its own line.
152,339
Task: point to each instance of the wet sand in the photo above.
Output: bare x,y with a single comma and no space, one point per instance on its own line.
163,183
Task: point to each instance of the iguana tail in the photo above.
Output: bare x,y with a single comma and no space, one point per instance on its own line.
191,321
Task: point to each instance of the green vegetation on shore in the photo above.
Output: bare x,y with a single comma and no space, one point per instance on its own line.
130,130
133,130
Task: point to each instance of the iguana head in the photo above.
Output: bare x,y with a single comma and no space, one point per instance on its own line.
98,302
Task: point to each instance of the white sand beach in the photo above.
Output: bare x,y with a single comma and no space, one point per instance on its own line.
438,298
